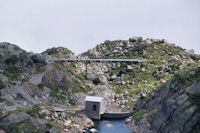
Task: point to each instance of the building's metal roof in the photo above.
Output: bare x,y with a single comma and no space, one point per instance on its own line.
93,99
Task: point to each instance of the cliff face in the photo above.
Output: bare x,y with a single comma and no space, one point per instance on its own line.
34,90
174,107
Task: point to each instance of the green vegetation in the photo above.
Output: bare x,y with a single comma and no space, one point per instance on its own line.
13,73
40,67
186,77
70,114
10,112
49,125
195,99
15,127
71,107
132,105
79,87
1,84
56,94
25,79
12,60
140,39
41,85
119,89
35,110
157,68
71,102
67,52
2,100
58,52
30,63
139,115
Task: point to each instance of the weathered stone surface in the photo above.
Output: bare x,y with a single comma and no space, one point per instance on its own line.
36,79
38,58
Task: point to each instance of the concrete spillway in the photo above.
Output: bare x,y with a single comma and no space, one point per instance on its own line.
116,115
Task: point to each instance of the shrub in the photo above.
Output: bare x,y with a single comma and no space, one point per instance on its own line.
12,60
68,52
1,84
140,39
12,73
2,100
30,63
40,86
49,125
15,127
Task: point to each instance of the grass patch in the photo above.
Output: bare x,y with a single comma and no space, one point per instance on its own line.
132,105
139,115
71,107
15,127
70,114
119,90
35,110
12,73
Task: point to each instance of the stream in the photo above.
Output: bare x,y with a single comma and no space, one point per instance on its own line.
112,126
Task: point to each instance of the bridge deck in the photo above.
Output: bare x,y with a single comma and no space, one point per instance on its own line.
95,60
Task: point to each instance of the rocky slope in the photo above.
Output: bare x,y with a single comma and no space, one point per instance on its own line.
174,107
37,96
45,95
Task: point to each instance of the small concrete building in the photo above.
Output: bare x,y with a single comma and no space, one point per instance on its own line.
94,107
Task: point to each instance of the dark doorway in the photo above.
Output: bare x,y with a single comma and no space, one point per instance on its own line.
94,107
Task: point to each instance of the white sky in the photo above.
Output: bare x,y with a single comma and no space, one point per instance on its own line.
36,25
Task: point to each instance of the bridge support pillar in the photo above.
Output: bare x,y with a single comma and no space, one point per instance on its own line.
86,69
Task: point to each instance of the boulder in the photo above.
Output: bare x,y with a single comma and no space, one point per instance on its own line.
113,77
38,58
101,80
133,39
1,131
130,68
67,123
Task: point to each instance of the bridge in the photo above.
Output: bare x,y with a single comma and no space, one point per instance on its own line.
88,60
95,60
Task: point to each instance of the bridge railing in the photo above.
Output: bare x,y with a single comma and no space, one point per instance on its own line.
94,60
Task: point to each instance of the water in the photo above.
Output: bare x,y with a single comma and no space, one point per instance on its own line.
112,126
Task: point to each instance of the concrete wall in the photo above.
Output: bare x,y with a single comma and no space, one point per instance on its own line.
89,110
120,115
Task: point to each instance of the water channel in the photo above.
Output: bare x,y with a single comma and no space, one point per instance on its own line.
112,126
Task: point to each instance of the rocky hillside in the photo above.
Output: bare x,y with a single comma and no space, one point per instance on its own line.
174,107
45,95
37,96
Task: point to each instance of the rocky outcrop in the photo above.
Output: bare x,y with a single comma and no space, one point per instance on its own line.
38,58
172,108
59,52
